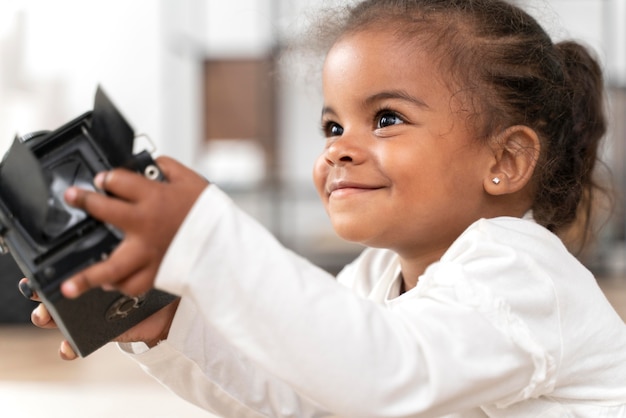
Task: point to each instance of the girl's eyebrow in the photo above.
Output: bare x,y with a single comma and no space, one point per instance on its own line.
385,95
398,95
328,109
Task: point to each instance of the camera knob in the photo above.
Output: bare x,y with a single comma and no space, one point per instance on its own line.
152,172
123,307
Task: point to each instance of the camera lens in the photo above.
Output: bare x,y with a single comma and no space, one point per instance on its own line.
71,171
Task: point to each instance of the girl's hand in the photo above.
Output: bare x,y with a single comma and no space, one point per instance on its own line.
151,330
148,212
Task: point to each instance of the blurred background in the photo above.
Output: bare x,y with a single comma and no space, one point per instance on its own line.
211,85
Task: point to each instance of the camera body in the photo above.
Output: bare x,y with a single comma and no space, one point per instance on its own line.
51,241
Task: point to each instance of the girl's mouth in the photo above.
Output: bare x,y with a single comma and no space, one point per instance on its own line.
343,188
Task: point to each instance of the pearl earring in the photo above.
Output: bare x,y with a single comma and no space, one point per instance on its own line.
495,180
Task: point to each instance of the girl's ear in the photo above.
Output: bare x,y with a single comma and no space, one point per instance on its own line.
516,151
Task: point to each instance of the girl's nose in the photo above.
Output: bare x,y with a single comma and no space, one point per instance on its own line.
345,150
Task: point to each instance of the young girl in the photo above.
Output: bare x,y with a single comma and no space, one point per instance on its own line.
460,142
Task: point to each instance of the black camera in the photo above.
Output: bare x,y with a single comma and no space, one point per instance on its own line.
50,240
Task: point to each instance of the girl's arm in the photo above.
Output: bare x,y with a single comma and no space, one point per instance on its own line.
285,322
293,322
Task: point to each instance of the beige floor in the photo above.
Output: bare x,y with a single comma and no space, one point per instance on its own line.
34,382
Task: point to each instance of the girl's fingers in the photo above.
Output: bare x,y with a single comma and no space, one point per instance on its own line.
41,318
130,185
137,283
122,264
170,168
102,207
27,291
135,205
66,352
124,184
133,186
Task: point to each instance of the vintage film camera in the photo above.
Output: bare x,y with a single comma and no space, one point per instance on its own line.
50,241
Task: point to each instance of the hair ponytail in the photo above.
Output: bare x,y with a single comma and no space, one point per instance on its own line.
566,176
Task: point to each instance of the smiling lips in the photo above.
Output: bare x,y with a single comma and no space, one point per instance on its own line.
339,188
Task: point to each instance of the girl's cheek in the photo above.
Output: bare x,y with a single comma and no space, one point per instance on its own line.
320,173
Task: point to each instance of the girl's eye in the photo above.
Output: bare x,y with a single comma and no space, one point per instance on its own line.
332,129
387,118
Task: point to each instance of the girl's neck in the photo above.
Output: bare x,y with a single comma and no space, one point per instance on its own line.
413,267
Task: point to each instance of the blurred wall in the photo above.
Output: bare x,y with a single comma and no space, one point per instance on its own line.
54,54
149,55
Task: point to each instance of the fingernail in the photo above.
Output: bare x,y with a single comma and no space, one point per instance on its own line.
66,351
35,317
70,194
98,181
69,289
25,289
42,315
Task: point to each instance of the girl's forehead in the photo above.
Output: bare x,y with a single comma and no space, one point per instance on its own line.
366,69
372,37
366,46
381,56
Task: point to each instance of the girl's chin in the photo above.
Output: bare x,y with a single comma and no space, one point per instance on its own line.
355,235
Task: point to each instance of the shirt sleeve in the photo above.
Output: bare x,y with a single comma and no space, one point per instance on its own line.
315,344
198,365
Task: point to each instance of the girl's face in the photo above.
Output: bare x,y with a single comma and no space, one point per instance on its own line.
401,168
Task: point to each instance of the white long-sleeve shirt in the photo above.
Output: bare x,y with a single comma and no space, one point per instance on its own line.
506,324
